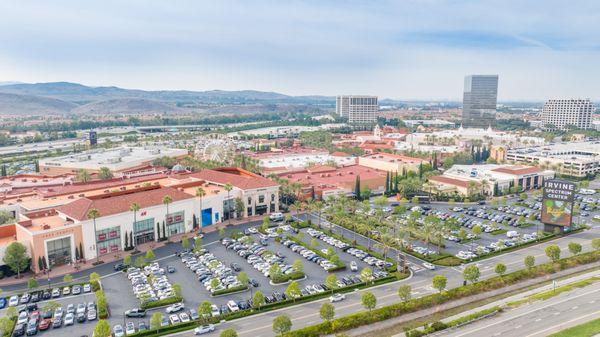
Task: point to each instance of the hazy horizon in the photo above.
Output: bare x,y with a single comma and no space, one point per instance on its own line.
411,50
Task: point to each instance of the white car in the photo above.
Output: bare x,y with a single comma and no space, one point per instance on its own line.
175,308
337,298
204,329
130,328
69,319
428,266
353,266
118,331
184,317
174,319
13,301
214,310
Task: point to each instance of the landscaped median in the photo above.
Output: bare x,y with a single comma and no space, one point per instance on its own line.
439,326
588,329
266,307
339,265
398,309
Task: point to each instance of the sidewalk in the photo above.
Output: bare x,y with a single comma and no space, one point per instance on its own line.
118,256
459,302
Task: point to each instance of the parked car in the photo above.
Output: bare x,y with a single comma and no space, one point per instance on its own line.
337,298
118,331
136,312
428,266
69,319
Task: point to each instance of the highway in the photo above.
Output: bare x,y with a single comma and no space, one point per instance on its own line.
540,318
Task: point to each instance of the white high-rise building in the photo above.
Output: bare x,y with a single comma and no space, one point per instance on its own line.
358,109
562,113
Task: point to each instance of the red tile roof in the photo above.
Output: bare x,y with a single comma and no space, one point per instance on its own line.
96,184
80,208
517,170
450,181
239,178
389,157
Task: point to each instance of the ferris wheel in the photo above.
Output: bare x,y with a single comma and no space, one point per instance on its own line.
218,150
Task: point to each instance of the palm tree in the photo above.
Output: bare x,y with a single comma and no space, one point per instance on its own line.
200,193
93,214
385,243
228,187
166,201
134,208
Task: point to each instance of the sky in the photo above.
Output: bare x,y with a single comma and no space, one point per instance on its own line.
401,49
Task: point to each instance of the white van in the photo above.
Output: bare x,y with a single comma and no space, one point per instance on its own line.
276,217
233,307
512,234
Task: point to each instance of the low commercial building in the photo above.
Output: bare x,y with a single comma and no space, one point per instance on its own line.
118,160
322,182
488,179
56,223
577,159
295,159
391,162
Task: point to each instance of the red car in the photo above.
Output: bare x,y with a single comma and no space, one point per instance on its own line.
45,324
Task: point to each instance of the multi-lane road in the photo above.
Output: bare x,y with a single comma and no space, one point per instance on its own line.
539,318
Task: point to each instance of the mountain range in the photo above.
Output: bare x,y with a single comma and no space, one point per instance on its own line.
65,97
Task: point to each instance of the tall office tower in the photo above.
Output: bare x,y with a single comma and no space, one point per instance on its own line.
358,109
479,101
564,113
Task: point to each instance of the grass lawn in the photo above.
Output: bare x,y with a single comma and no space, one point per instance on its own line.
551,293
499,231
590,328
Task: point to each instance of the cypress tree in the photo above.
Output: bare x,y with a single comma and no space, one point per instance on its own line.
40,263
421,170
44,263
357,188
80,252
157,231
164,231
126,241
387,183
76,253
3,173
131,239
37,166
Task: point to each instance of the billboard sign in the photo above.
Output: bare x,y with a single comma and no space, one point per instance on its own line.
557,203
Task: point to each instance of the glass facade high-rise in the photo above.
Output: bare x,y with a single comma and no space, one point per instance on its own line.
479,101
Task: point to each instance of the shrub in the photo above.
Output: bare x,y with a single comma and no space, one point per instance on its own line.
160,303
282,278
231,290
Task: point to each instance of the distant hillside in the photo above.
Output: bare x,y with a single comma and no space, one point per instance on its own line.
78,93
65,97
126,106
11,104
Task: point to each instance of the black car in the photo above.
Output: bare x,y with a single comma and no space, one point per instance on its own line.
19,330
253,282
81,317
57,323
35,297
32,307
235,266
170,269
32,328
46,295
120,267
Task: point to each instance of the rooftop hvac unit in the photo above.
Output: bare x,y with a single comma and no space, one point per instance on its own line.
113,160
155,151
124,152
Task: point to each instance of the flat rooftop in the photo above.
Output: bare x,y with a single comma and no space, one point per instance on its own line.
116,159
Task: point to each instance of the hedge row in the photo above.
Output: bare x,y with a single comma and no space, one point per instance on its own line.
339,265
231,290
395,310
160,303
102,304
282,278
439,326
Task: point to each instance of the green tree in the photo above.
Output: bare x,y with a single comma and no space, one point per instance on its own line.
177,289
596,244
94,276
185,242
368,300
529,261
68,278
83,176
102,329
327,311
258,300
439,282
553,252
282,324
471,273
297,266
331,282
293,290
574,248
500,269
404,292
243,278
150,255
222,232
156,321
228,333
214,283
127,260
140,261
15,257
105,173
197,244
32,283
50,306
314,243
205,310
366,275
